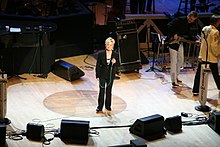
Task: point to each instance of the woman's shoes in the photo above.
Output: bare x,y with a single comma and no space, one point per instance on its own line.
98,110
195,94
109,109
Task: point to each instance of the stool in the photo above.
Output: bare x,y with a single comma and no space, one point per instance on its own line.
185,9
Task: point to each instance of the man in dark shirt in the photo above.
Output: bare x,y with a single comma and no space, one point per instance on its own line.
181,27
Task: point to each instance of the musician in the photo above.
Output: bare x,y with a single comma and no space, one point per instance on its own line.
106,66
211,42
137,6
179,27
117,11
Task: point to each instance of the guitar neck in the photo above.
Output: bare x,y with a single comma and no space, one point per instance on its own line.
182,39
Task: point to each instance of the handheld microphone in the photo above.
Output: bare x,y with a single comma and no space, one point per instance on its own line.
113,61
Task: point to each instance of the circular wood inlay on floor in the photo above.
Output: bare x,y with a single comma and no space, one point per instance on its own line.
80,103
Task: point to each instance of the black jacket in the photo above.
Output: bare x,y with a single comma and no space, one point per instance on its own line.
182,28
103,69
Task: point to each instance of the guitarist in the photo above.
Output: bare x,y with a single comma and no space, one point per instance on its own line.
178,27
209,52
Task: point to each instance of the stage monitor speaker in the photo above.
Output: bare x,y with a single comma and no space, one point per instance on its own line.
150,128
67,71
74,131
133,143
173,124
2,134
35,131
137,143
214,121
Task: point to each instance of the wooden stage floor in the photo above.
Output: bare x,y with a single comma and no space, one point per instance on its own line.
135,95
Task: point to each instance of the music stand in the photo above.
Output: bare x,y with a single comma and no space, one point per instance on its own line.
155,44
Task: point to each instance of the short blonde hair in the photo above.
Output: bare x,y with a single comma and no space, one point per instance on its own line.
108,40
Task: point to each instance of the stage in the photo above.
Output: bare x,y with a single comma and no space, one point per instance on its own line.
135,95
48,101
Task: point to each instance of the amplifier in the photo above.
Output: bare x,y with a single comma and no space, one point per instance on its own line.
122,25
25,26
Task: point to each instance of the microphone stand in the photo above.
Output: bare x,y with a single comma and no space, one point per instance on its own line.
204,73
41,33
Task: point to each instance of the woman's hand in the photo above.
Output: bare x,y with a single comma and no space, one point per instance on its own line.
113,61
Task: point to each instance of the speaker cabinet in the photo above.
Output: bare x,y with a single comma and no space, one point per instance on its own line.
2,134
129,54
35,131
214,121
127,44
28,54
67,71
74,131
173,124
150,128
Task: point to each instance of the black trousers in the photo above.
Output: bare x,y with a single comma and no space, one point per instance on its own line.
105,87
215,74
149,5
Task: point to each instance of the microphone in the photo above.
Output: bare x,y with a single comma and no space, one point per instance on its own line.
113,61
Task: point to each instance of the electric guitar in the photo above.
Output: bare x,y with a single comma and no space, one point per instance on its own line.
174,43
